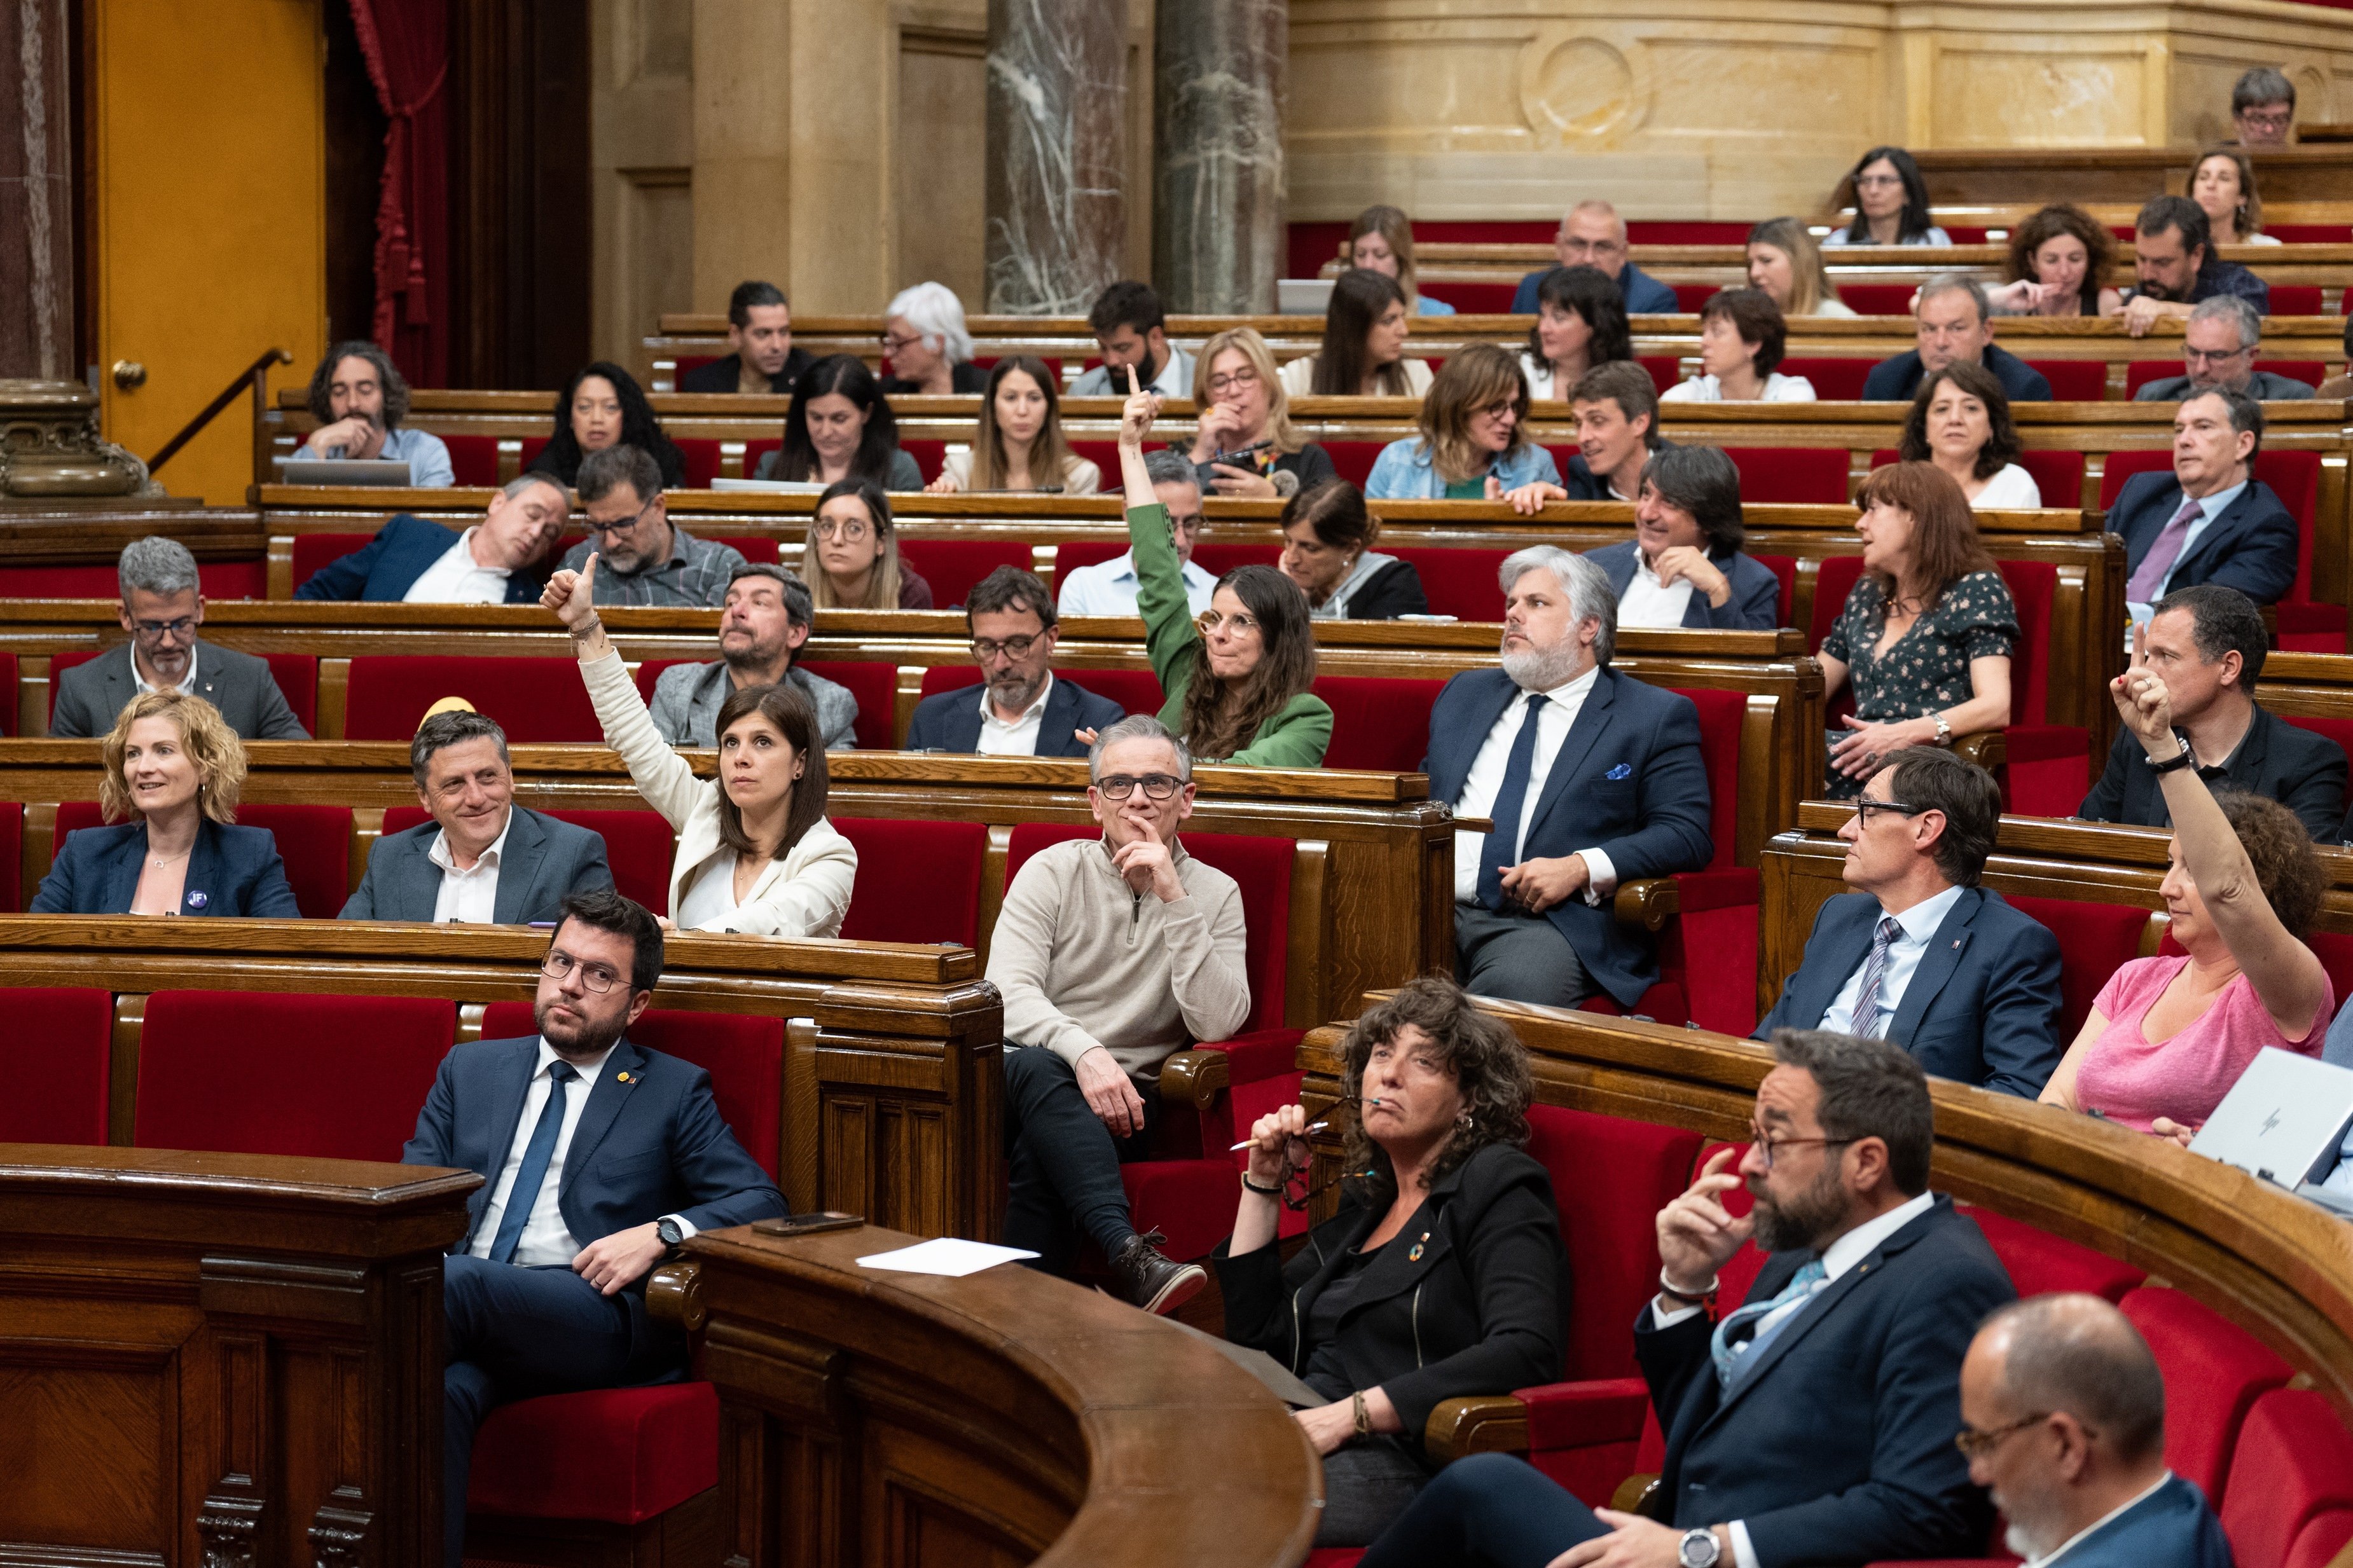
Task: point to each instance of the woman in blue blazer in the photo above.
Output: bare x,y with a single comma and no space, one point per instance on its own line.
1686,550
174,767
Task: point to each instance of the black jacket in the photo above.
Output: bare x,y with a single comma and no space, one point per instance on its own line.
2301,771
1469,1298
727,373
964,378
1395,590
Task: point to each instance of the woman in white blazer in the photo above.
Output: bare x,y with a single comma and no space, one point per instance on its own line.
755,854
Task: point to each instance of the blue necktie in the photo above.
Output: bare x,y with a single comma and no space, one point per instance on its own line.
523,1196
1732,1359
1503,846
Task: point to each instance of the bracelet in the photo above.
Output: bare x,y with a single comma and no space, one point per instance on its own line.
1273,1192
1363,1416
1687,1298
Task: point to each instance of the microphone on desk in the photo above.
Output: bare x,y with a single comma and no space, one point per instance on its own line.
1285,483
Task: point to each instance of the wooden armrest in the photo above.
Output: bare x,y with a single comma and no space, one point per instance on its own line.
674,1295
1194,1078
1985,750
1635,1494
1648,902
1486,1424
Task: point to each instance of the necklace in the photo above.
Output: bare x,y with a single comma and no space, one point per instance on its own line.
160,861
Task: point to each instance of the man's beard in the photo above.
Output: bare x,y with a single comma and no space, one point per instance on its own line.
2157,291
1804,1220
372,418
1015,690
2028,1536
1541,669
590,1040
755,657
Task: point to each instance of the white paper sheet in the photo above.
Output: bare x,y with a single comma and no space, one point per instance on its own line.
946,1255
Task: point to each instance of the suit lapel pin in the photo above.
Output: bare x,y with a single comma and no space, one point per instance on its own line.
1415,1256
198,901
623,1077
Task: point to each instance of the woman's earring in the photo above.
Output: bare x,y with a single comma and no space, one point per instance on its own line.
1463,1123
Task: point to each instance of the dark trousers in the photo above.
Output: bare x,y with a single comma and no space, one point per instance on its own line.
1065,1161
514,1333
1517,957
1490,1511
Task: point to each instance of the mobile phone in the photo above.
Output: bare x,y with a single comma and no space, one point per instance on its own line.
809,1224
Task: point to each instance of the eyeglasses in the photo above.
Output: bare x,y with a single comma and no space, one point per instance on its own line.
987,648
559,965
1238,624
1767,1144
851,532
1864,806
1975,1444
624,524
151,630
2278,121
2214,356
1156,786
1498,410
1588,246
892,345
1233,381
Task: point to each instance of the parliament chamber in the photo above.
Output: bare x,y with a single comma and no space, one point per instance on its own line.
266,1279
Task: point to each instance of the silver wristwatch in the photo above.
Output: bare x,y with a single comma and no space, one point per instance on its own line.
1944,729
1698,1549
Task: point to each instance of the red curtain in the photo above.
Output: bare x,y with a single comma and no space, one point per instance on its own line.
406,44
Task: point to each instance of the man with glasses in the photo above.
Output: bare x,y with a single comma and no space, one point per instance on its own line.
2065,1408
1953,320
597,1156
1593,235
1022,709
764,621
501,560
1109,587
1919,953
641,558
1110,953
1814,1422
2263,107
2218,349
163,606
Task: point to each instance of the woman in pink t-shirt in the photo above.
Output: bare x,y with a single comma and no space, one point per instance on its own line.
2168,1037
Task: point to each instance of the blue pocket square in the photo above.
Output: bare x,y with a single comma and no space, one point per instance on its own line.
1622,771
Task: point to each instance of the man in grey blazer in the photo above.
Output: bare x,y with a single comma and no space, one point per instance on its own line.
2218,349
764,621
482,860
161,607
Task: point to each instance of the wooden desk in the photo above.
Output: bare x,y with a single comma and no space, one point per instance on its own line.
2123,175
221,1358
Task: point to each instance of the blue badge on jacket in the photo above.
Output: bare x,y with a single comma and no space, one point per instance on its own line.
1622,771
198,901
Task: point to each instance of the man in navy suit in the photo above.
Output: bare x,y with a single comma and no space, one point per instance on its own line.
597,1156
1590,778
1954,321
1019,708
2066,1412
1815,1423
500,560
2210,520
1919,953
1593,235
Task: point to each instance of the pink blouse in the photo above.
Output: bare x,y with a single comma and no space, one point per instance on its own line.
2130,1080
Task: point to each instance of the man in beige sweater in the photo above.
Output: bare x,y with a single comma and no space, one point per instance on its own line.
1110,953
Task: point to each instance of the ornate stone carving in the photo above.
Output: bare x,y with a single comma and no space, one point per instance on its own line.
51,448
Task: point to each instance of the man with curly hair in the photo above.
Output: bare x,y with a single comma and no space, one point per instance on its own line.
359,399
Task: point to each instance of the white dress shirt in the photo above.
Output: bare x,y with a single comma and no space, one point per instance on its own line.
468,897
1019,738
1109,588
1779,388
545,1242
1647,602
2209,508
1903,954
1485,781
140,683
459,579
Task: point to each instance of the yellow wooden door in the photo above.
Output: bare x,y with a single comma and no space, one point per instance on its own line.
209,199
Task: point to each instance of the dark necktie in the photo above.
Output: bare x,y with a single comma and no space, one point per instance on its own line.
523,1196
1503,846
1866,1000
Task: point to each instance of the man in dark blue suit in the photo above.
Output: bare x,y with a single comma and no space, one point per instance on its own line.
1590,778
1919,953
1684,567
597,1156
1593,235
1815,1423
501,560
1954,321
2210,520
1019,708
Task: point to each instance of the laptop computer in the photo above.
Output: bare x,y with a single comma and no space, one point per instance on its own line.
770,487
1302,296
378,471
2283,1120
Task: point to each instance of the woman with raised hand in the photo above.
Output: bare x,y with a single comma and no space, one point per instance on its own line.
754,854
1236,681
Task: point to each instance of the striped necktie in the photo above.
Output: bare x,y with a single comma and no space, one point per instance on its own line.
1866,1001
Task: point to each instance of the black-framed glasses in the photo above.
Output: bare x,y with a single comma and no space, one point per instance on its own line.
1156,786
1864,806
624,524
987,648
1975,1444
559,964
179,628
1767,1144
892,345
2214,356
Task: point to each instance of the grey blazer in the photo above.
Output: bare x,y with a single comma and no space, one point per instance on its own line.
688,697
544,860
91,695
2263,387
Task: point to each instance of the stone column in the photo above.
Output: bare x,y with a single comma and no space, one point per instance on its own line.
1218,212
37,212
1056,154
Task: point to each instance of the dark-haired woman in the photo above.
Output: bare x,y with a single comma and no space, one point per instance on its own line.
1580,323
1891,203
1741,339
1236,681
1328,550
2059,261
754,854
1960,422
1684,567
603,407
1441,1276
1364,331
852,560
1019,445
841,426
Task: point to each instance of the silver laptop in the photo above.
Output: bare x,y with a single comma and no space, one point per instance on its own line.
1302,296
2283,1120
343,471
769,487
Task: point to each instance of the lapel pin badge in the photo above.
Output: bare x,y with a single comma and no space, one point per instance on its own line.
198,901
624,1078
1415,1256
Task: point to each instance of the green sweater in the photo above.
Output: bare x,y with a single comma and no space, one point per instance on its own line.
1295,737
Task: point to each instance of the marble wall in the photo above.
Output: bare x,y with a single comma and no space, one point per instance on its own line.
36,209
1057,195
1218,164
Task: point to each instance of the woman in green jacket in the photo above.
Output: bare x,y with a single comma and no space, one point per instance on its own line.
1236,682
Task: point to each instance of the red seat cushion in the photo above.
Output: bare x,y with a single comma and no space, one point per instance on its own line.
2094,940
1103,455
1721,715
2295,298
296,675
687,364
2289,1500
1665,370
619,1455
1473,299
929,456
12,856
219,579
8,686
1353,460
1136,690
58,1075
1785,567
2337,729
315,842
1878,299
1380,724
473,459
875,685
314,553
2042,1264
1835,379
917,881
1805,475
2058,475
2213,1372
1463,584
536,701
2073,379
257,1072
952,566
639,847
1218,559
1074,554
702,455
1690,297
1610,1177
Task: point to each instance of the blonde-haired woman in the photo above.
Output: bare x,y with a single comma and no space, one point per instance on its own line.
1245,438
1475,443
852,559
174,768
1784,262
1019,446
1382,240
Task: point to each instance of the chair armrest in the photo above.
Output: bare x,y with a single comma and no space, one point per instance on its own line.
1634,1495
1483,1424
674,1295
1985,749
1646,903
1196,1077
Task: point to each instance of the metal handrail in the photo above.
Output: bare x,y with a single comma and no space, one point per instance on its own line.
255,375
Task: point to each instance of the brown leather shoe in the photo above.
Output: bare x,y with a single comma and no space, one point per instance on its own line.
1152,1280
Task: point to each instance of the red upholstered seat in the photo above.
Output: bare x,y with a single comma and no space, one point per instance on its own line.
917,881
2306,233
1052,362
1785,567
219,580
687,364
1353,460
536,701
1878,299
258,1072
2337,729
755,450
621,1456
1071,554
314,840
1380,724
2214,1370
875,685
1465,583
2289,1501
1690,297
2094,940
1136,690
2073,379
953,565
8,685
1807,475
1473,299
755,547
1835,379
702,455
2297,298
1665,370
296,675
314,553
929,454
1104,456
58,1073
1218,559
639,847
12,856
473,459
2042,1264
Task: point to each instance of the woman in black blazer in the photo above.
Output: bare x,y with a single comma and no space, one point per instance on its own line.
174,767
1328,550
1442,1275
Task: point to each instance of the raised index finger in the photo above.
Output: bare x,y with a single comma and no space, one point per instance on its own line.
1134,386
2140,645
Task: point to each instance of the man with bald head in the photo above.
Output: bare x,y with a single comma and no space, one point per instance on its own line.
2064,1415
1593,235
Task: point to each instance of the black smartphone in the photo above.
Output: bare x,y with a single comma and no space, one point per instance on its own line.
809,1224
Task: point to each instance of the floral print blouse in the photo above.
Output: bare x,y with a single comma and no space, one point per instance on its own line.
1926,671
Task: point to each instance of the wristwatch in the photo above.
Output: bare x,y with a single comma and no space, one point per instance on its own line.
1944,729
666,1230
1698,1549
2176,763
